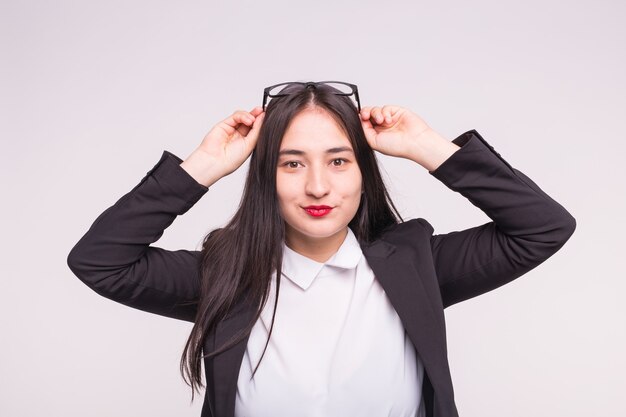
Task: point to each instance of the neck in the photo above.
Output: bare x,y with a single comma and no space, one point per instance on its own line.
317,249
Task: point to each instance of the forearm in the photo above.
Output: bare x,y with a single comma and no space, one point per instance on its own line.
431,149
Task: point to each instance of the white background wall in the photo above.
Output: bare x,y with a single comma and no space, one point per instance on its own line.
92,92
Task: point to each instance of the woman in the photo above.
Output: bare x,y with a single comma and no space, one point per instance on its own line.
358,311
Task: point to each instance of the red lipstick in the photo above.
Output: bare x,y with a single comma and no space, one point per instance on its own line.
318,211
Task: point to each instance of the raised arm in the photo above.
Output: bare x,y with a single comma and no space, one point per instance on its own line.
115,257
527,225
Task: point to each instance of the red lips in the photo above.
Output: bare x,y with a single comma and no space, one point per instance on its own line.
318,211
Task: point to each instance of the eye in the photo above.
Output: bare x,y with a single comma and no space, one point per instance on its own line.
339,159
291,164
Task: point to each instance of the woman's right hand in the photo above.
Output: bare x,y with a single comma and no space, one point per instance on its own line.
226,147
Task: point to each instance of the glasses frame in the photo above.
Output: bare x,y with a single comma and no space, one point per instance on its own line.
353,87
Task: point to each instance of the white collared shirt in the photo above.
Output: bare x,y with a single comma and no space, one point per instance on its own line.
338,347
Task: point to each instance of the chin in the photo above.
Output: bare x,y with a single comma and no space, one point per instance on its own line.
321,232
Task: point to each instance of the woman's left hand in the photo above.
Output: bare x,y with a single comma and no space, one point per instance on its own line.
392,130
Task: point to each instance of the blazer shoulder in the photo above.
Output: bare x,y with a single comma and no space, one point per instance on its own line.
408,231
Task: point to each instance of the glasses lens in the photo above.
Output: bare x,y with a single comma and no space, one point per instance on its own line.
343,89
285,89
340,88
290,88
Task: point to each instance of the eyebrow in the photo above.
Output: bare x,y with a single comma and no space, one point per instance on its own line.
328,151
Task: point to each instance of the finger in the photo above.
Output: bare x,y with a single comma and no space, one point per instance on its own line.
251,123
256,111
377,114
252,134
370,114
238,122
259,119
388,113
243,124
244,117
243,130
234,119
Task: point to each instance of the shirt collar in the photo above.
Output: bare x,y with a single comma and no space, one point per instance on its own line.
302,270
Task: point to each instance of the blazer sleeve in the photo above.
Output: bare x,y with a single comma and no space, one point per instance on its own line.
115,257
528,225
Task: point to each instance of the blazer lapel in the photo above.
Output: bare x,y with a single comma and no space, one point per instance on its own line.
226,365
405,289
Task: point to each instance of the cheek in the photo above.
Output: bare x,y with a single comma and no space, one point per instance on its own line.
358,181
282,198
284,190
351,191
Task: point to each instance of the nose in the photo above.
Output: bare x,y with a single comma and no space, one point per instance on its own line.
317,183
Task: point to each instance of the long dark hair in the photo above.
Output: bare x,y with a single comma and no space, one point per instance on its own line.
256,231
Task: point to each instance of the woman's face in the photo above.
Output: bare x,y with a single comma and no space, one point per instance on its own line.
316,167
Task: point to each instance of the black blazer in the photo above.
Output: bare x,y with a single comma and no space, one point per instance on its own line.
422,273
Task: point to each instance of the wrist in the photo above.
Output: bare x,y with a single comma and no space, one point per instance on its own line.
430,149
202,167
